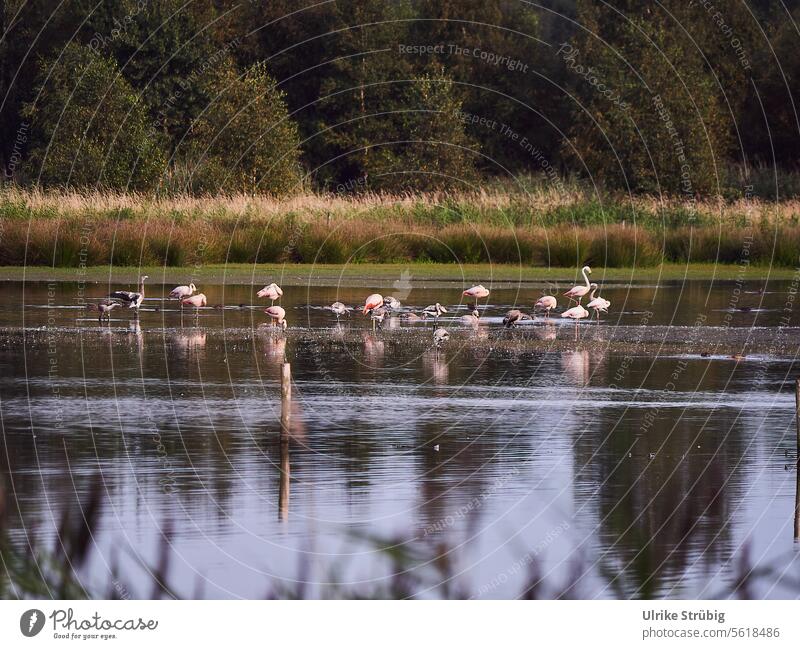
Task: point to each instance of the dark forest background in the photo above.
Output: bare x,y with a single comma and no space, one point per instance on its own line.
688,98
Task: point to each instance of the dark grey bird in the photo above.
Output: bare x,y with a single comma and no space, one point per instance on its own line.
132,299
378,315
515,316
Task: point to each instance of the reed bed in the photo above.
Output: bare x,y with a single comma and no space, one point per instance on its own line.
529,228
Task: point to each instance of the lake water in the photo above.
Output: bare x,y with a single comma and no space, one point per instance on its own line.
512,458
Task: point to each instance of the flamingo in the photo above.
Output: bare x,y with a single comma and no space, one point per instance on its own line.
272,292
546,302
180,292
580,290
105,309
514,316
478,292
440,336
131,298
392,302
412,317
373,302
434,311
471,318
339,309
576,313
278,315
195,300
597,303
377,316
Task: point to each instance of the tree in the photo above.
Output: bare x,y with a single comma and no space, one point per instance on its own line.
774,113
652,119
30,30
164,49
244,140
376,110
89,128
490,48
424,146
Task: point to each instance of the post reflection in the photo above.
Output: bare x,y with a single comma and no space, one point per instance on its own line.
285,478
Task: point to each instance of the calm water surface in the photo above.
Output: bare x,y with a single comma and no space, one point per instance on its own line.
629,475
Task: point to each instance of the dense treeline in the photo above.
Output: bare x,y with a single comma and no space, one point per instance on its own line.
686,98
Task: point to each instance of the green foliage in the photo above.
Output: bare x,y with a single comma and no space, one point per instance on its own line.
771,131
244,140
423,146
89,128
383,120
725,73
653,120
165,49
491,49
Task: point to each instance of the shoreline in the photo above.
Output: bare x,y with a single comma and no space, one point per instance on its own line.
367,274
703,344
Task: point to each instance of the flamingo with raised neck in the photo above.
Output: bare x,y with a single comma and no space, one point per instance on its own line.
576,293
132,298
180,292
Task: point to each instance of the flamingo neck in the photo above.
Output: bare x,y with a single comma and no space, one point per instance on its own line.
586,277
591,295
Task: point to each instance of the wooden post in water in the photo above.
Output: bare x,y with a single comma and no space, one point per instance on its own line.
286,398
797,465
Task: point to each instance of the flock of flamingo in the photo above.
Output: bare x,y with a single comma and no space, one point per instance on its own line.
378,307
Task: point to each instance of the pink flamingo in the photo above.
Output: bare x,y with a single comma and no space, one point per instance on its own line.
104,308
576,313
278,315
478,292
597,303
195,300
546,302
272,292
576,293
473,318
373,302
180,292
